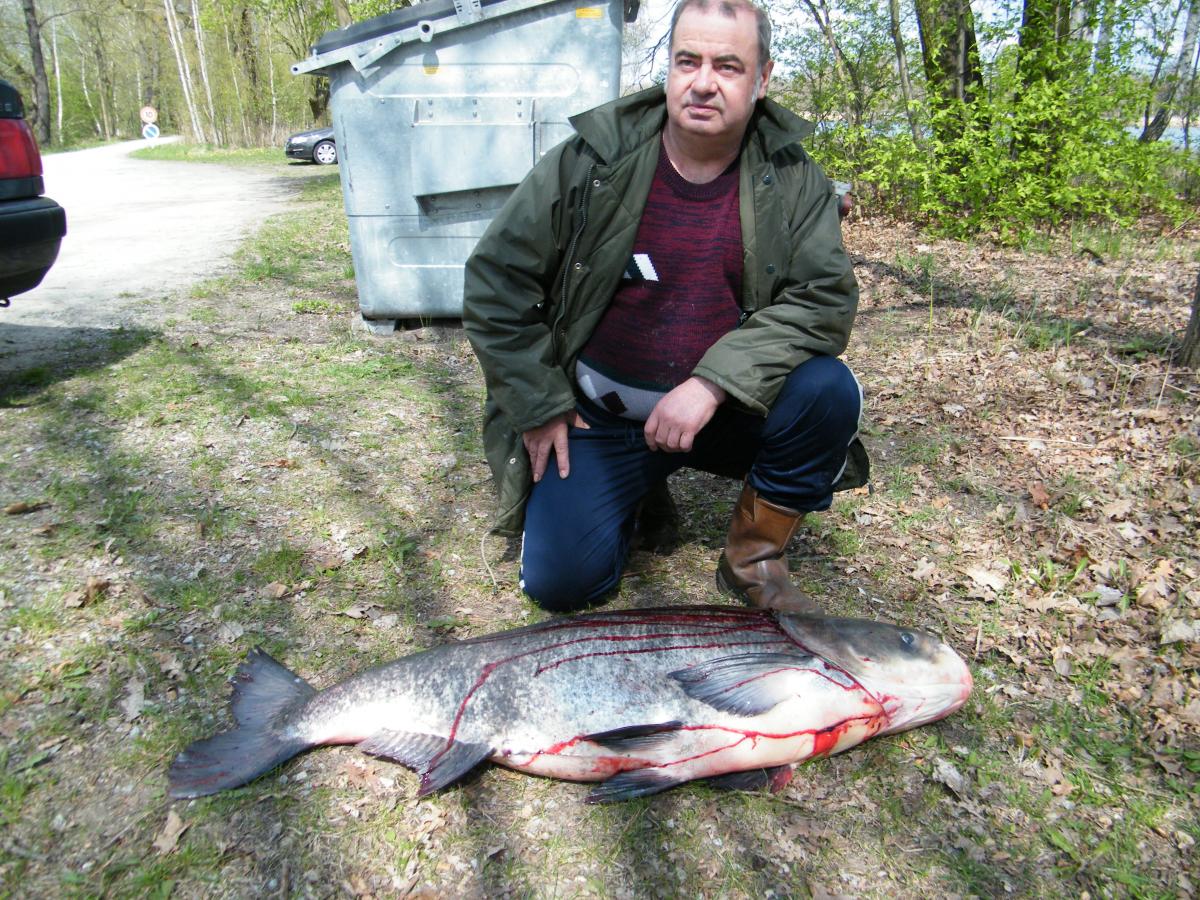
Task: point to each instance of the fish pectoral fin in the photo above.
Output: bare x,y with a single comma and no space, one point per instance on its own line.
438,760
774,779
746,685
634,783
635,737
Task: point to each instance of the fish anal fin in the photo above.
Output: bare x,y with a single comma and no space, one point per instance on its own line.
774,779
633,738
748,684
634,783
437,760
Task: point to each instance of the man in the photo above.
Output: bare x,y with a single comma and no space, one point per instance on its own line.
668,288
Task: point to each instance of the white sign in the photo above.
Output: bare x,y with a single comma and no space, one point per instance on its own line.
149,131
149,115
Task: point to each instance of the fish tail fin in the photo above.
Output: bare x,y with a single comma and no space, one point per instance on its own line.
264,694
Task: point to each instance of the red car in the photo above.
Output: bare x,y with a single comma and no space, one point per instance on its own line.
31,226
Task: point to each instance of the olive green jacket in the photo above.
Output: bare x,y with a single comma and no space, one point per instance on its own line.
547,267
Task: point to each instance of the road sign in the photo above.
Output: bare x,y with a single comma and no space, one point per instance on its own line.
149,115
149,131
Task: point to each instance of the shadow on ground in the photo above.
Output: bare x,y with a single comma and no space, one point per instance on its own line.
33,357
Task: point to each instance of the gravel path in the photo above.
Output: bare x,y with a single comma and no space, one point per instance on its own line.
137,231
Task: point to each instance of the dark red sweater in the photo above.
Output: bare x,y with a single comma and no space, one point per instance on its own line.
678,296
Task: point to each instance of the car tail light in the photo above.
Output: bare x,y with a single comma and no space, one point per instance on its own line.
19,157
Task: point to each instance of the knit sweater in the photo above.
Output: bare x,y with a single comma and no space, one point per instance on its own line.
678,295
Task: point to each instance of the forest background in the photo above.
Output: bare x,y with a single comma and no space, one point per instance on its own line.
1000,118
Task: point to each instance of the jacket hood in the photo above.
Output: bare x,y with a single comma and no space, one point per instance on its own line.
620,126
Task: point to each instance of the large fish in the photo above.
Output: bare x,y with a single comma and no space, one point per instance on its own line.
640,700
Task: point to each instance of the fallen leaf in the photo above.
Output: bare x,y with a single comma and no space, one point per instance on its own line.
74,599
1190,713
357,611
135,699
275,591
1062,664
924,570
1180,631
946,773
228,632
1039,495
168,838
97,586
1155,591
21,507
986,578
1118,509
281,463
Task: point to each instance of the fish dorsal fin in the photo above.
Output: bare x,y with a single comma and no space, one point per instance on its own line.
438,760
746,685
635,737
634,783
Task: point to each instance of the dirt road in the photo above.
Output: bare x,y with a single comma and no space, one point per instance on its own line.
137,231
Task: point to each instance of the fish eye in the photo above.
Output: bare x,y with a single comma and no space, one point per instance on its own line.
908,639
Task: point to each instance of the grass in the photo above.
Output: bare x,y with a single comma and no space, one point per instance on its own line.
178,151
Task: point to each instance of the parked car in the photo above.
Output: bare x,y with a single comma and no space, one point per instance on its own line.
31,226
316,145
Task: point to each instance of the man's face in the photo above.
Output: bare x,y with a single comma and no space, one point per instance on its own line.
714,81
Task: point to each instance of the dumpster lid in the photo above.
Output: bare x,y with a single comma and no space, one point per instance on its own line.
364,43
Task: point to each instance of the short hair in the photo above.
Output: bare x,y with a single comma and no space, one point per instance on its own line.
729,9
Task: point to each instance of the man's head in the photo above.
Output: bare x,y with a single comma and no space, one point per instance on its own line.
719,68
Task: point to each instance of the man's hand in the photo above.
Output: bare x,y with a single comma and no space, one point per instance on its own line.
551,436
678,417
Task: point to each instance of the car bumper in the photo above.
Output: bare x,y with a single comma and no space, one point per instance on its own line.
30,234
298,151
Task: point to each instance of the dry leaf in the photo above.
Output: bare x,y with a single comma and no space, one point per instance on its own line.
1155,591
275,591
1190,713
1062,665
945,773
1180,631
1118,509
925,570
96,587
1039,495
135,699
168,838
74,600
281,463
986,578
228,632
21,507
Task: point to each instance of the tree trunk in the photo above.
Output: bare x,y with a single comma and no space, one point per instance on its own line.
185,71
58,97
1189,352
902,71
846,70
950,55
341,9
1167,90
212,112
41,86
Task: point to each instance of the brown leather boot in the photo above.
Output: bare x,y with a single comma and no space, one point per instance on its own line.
753,566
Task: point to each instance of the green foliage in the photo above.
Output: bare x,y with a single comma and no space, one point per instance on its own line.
1031,159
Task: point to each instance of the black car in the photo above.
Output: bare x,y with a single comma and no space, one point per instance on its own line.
31,226
316,145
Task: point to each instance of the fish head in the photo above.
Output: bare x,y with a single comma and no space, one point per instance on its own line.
915,677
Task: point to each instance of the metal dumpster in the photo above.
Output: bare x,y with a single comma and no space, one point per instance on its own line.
439,110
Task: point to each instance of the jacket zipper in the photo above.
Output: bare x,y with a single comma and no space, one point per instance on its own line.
583,212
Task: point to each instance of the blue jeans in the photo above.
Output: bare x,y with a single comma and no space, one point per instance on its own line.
577,529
